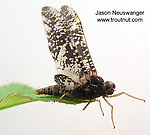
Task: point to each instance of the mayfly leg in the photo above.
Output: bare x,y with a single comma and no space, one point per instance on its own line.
100,106
61,97
87,104
111,111
121,93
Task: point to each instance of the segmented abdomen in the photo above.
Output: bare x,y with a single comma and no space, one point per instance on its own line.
52,90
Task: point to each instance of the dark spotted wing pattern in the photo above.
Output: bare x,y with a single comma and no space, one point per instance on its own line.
64,81
77,34
67,42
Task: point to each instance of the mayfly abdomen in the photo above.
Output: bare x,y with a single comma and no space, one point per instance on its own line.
51,90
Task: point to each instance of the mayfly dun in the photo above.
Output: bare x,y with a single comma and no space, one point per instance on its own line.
77,76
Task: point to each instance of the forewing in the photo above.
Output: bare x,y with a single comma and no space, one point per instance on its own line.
60,43
79,41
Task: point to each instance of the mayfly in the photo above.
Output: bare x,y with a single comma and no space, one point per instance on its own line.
77,76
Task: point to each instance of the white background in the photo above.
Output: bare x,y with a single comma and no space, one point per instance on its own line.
120,51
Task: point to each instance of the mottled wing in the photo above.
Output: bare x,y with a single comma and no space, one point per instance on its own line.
60,43
64,81
79,41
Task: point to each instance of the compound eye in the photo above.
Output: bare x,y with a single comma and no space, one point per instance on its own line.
114,86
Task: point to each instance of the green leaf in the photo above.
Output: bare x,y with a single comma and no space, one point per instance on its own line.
16,94
10,98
